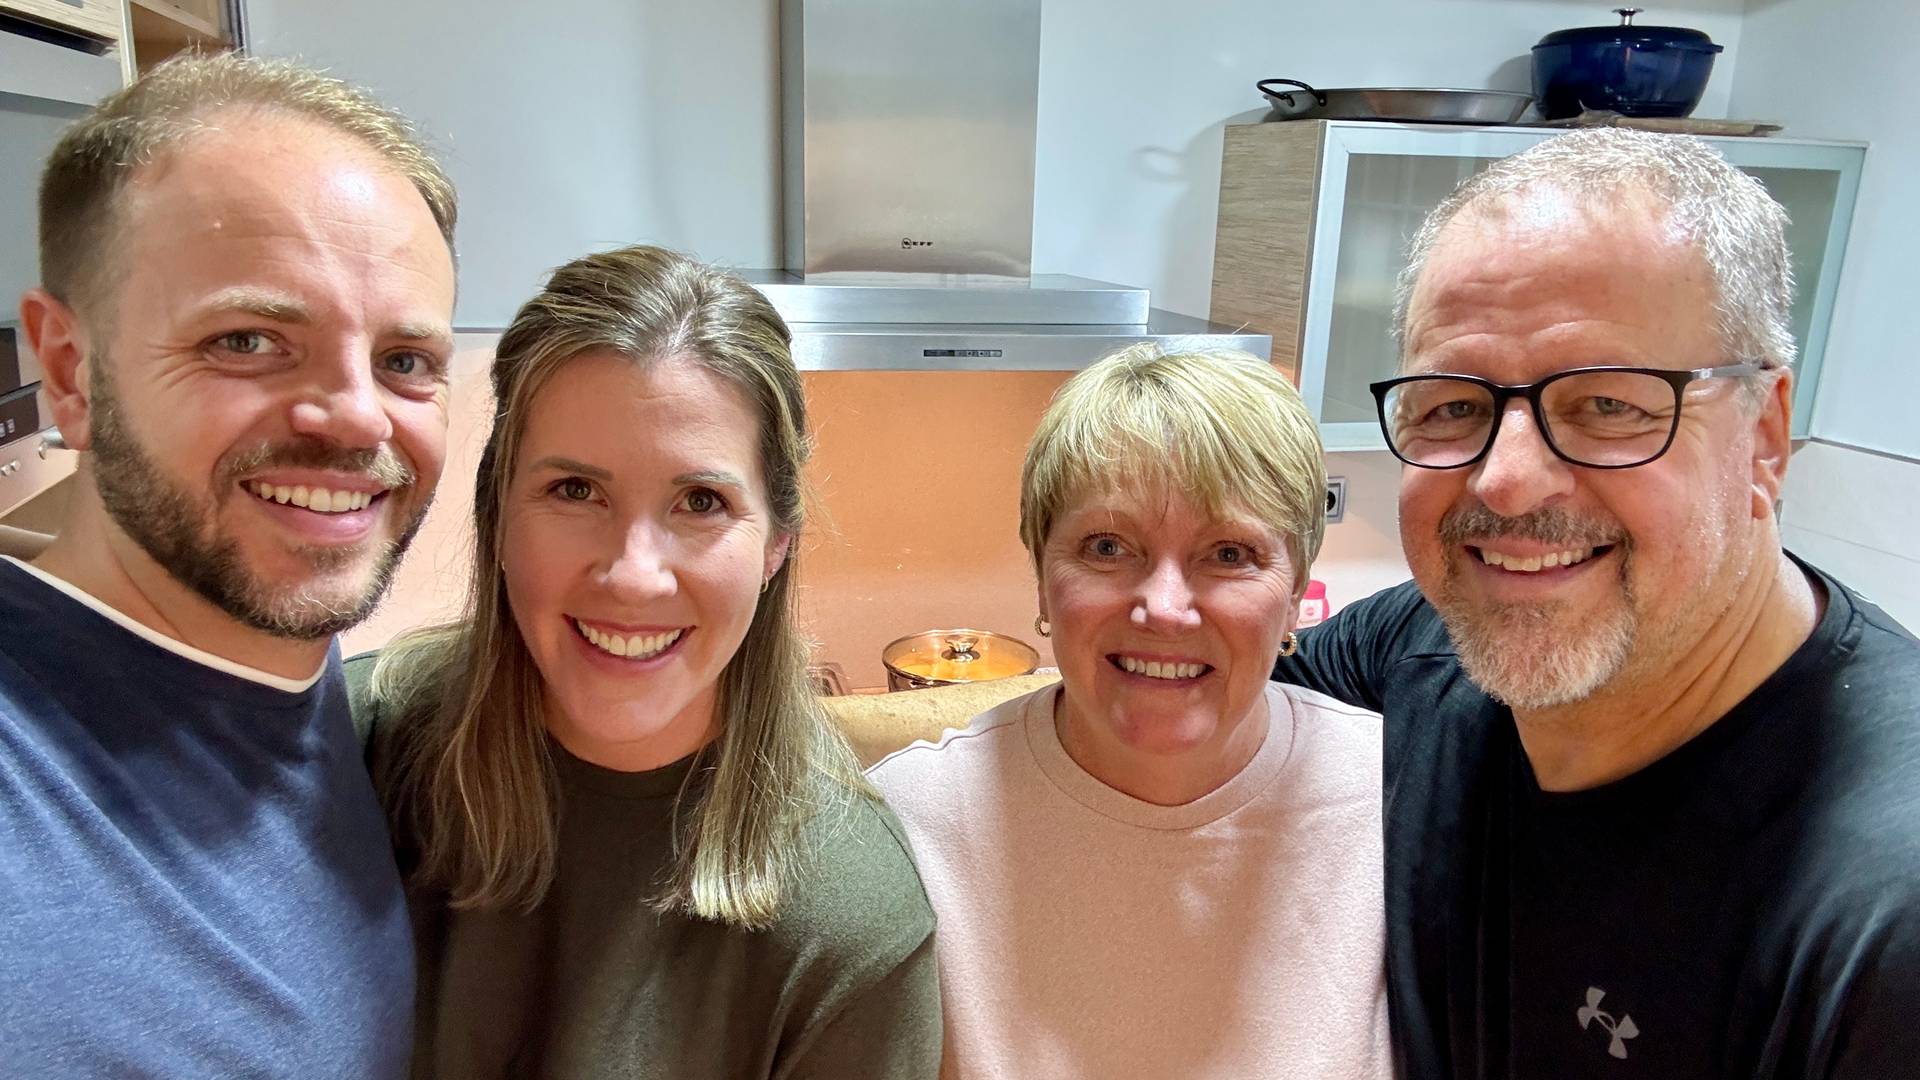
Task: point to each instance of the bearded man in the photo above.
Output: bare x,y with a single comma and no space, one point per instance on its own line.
244,325
1652,783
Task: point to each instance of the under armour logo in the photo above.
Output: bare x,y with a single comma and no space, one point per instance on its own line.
1622,1030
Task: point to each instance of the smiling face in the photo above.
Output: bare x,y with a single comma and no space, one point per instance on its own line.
1555,580
636,537
267,406
1166,624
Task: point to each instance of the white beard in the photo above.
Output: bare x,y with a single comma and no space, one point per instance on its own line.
1540,656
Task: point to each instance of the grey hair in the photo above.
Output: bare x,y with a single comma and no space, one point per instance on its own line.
1738,227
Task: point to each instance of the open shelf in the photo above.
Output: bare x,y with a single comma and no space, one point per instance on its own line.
162,28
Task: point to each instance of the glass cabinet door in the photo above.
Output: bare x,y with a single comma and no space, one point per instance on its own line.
1817,183
1378,183
1387,197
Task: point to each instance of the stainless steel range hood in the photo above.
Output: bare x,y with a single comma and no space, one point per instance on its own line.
908,164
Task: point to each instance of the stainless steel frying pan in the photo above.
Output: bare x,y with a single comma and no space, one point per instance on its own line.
1420,105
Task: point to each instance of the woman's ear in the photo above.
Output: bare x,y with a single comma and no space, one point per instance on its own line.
777,555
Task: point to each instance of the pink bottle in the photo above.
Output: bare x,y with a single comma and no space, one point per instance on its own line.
1313,606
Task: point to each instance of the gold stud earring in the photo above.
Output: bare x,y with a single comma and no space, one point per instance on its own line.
1041,626
1290,645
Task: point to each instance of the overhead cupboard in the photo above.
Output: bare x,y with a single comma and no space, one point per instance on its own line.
157,29
96,19
1315,217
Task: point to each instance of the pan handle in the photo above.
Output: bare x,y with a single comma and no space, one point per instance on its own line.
1284,98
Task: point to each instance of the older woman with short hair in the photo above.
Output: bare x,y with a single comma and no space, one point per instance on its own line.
1164,865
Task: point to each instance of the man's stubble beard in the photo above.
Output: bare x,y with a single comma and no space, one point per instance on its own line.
1537,656
180,532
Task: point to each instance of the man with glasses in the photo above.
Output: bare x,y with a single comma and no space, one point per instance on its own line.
1653,784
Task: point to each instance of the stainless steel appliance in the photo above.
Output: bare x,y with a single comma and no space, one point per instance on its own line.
1410,104
947,657
908,164
31,456
909,128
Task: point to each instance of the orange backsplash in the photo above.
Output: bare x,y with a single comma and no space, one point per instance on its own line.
917,521
915,524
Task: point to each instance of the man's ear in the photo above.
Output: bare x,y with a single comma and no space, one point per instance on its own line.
1772,444
59,339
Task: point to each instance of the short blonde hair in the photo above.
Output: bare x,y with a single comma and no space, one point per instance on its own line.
1222,427
91,164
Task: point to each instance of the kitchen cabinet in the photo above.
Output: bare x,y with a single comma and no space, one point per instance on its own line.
137,33
162,28
99,20
1315,217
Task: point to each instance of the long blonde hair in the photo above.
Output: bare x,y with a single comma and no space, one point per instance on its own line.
473,782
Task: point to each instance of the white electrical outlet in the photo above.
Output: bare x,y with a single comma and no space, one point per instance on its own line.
1336,499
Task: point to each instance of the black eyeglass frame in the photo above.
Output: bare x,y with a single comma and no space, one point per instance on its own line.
1504,392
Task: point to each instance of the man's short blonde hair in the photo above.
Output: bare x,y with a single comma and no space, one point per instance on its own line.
1222,428
91,164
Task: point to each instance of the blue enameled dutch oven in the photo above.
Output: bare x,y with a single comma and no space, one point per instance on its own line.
1628,69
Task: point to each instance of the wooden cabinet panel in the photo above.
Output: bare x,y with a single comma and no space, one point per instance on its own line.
1269,188
162,28
98,19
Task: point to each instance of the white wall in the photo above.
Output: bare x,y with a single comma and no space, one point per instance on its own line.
570,125
1134,95
1362,553
577,123
1840,68
1856,515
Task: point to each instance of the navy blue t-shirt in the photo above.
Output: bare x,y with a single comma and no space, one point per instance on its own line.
195,876
1746,908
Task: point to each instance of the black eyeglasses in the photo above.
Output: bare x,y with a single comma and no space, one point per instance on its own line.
1595,417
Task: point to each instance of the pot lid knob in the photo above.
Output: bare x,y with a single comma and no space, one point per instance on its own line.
1626,14
960,649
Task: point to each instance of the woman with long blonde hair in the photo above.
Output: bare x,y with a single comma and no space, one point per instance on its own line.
634,844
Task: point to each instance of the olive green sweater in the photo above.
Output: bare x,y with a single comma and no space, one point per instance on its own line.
593,982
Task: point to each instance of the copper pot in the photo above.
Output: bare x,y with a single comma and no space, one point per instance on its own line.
946,657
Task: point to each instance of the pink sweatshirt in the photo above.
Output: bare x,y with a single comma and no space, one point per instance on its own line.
1084,933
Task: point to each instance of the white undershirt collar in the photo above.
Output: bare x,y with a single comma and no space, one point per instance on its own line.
178,648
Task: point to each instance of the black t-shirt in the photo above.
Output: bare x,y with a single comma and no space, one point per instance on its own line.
1747,906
